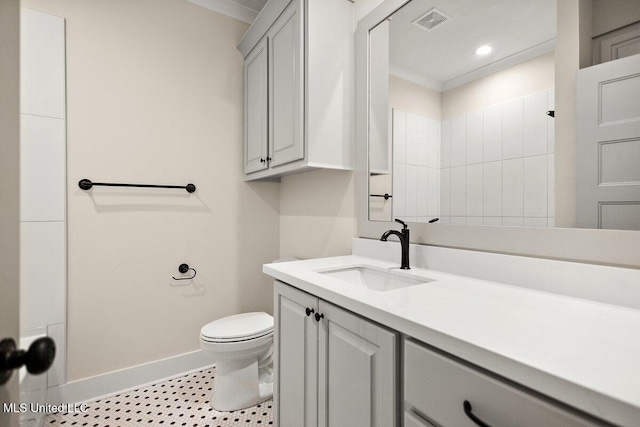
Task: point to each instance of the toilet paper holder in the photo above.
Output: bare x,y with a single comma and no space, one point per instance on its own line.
183,268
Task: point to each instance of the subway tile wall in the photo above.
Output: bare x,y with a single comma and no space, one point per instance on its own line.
43,255
493,166
416,167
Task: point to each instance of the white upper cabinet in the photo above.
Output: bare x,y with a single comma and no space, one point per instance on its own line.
286,112
298,66
255,113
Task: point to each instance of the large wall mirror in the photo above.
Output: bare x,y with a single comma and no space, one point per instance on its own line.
461,106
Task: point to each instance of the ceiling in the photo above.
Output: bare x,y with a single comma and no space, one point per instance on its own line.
447,53
445,57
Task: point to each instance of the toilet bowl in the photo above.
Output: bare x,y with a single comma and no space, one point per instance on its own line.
242,347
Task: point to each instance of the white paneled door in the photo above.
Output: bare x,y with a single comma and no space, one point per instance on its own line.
608,145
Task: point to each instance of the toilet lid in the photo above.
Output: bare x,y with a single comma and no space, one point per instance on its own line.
238,326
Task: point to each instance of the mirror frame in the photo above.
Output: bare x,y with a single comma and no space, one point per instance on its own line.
607,247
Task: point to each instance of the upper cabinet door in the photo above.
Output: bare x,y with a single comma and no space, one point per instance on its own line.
256,129
286,112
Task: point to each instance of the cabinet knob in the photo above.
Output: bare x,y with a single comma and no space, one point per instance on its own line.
319,316
309,311
268,159
261,160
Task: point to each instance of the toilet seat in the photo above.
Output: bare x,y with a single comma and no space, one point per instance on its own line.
237,328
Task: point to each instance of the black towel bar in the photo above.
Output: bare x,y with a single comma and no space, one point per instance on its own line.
86,184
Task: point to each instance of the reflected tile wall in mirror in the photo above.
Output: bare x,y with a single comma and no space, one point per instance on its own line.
493,166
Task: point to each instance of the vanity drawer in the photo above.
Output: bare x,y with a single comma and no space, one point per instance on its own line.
436,387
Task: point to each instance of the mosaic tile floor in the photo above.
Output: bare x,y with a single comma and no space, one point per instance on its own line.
182,401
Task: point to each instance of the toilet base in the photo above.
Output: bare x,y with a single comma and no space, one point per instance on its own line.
239,384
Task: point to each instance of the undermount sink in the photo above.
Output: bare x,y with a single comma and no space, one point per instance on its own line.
373,279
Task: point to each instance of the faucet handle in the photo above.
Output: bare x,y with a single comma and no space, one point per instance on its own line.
404,224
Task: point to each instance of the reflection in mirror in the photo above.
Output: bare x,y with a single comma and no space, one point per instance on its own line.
458,123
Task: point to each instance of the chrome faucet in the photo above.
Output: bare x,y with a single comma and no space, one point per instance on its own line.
404,243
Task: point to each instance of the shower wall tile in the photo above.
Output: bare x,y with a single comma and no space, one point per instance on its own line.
535,124
411,195
433,143
492,133
43,253
412,139
492,190
42,168
57,374
475,137
512,128
422,192
551,134
399,136
459,141
416,186
399,189
474,190
422,141
445,192
445,144
535,186
433,192
512,187
477,167
458,191
42,273
42,63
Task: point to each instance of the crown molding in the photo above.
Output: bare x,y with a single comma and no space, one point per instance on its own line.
228,8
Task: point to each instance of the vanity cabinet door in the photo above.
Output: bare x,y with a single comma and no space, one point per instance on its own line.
436,387
357,361
256,130
296,357
286,93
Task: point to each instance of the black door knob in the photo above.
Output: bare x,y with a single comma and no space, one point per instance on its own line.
319,316
309,311
37,359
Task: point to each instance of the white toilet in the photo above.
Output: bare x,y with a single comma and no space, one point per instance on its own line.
242,347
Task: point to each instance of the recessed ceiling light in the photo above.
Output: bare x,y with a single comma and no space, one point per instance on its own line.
483,50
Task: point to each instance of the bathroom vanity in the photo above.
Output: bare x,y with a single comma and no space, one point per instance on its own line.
360,342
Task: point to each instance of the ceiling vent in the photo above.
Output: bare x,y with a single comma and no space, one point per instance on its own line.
431,19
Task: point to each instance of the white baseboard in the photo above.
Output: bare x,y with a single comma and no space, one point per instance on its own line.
116,382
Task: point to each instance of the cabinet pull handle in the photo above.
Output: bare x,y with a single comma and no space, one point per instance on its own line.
467,410
262,160
319,316
268,159
309,311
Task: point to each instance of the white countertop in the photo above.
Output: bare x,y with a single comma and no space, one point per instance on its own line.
583,353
